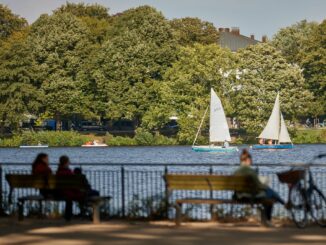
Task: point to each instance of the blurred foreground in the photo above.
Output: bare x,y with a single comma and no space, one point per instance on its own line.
124,232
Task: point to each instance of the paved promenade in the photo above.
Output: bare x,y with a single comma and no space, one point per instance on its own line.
53,232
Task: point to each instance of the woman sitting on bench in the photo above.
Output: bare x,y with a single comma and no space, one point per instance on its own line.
40,166
268,193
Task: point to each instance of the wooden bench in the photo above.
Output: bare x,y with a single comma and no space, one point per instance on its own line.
52,182
239,184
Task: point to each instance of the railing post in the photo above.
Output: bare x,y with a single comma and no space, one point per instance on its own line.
211,195
123,191
1,194
166,192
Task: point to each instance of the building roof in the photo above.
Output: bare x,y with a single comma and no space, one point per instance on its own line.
234,40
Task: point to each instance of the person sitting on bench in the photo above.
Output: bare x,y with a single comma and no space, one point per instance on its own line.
91,192
69,194
40,166
266,192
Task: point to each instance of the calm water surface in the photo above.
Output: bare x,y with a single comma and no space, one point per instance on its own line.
162,155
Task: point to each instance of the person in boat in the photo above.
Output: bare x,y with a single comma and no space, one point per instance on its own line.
270,142
41,166
226,144
246,169
261,141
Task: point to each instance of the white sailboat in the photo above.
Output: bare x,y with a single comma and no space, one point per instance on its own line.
218,128
275,130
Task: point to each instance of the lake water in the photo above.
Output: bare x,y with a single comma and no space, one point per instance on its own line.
162,155
143,183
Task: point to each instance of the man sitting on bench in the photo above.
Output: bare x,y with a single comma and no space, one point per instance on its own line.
266,192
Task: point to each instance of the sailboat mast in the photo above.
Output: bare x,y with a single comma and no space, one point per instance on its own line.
201,123
279,123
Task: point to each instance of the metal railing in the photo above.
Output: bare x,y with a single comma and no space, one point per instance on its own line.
139,190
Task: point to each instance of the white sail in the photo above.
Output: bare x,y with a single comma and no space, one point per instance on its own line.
218,126
284,134
272,129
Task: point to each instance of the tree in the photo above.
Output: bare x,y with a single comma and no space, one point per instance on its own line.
312,60
185,92
84,10
60,46
193,30
96,18
10,22
129,65
19,96
290,40
264,72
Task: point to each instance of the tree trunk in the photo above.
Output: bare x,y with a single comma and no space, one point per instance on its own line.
58,123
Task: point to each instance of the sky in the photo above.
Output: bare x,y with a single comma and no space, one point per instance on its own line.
258,17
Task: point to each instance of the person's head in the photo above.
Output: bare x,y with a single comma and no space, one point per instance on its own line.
77,171
41,158
64,161
245,158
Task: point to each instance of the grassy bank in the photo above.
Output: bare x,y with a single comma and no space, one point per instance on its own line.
70,138
309,136
141,138
51,138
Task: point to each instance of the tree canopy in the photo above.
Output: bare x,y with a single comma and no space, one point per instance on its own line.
186,88
290,40
193,30
60,47
313,62
136,65
264,72
139,49
9,22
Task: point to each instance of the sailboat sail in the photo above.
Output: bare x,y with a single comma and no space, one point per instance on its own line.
219,129
284,134
272,129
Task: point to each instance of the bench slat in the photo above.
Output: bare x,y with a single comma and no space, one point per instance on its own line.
210,182
47,182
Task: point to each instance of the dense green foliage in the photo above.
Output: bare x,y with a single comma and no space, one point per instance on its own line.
9,22
304,44
313,62
193,30
186,88
19,97
81,62
291,40
264,73
142,137
131,63
312,136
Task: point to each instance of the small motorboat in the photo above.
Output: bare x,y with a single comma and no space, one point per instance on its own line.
39,145
94,143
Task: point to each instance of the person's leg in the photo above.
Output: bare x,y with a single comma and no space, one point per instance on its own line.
270,193
93,193
68,210
268,209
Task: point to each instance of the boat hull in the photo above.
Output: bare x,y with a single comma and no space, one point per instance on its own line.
276,147
99,145
33,146
214,149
